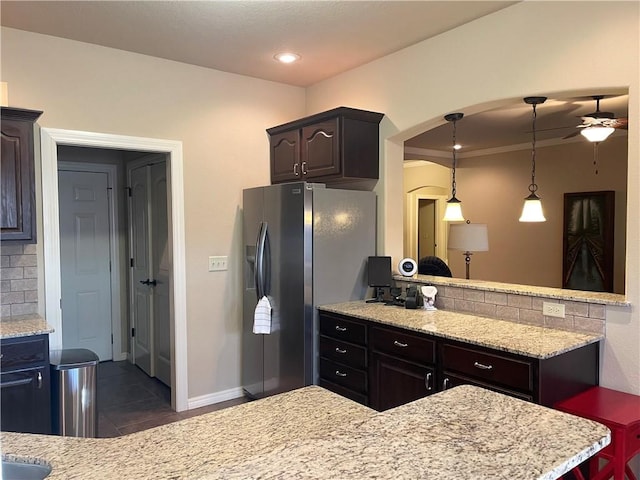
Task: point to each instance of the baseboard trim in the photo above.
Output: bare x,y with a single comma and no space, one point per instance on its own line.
211,398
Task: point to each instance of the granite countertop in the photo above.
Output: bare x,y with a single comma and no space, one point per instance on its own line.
23,326
518,338
604,298
463,432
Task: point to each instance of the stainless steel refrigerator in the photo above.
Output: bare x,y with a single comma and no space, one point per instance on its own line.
304,245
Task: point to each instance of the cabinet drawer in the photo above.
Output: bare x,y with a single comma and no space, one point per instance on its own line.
494,368
349,377
343,352
341,329
404,345
24,352
450,381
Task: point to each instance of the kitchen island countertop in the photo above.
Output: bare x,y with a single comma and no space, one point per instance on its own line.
529,340
464,432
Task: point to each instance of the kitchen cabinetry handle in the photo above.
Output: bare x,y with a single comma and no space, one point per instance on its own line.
259,265
482,366
340,350
295,170
341,329
399,344
16,383
427,381
39,380
445,383
340,374
304,168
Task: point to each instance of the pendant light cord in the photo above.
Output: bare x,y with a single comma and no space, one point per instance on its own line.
533,187
453,179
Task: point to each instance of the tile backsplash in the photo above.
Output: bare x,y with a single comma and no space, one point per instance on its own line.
519,307
18,279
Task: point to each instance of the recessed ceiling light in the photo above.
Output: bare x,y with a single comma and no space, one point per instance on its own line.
287,57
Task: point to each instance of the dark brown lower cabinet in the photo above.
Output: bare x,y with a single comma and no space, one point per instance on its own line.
385,366
25,386
396,382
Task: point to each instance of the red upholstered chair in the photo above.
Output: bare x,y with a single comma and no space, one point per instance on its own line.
620,412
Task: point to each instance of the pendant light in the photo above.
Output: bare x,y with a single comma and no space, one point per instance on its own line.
532,210
453,213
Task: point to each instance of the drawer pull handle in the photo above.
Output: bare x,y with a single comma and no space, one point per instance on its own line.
39,380
340,374
340,350
481,366
427,381
398,344
341,329
295,170
445,383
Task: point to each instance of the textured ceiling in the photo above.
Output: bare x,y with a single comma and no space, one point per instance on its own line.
243,36
331,36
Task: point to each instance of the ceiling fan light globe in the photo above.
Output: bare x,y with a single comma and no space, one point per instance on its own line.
532,210
597,133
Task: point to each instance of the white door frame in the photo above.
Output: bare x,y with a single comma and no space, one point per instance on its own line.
116,309
50,139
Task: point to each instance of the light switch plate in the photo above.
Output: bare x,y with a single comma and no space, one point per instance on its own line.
217,263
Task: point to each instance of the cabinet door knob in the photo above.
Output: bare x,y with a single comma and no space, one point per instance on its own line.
304,168
340,350
295,170
445,383
399,344
481,366
340,374
39,380
341,329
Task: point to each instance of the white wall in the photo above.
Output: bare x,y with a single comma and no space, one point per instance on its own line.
220,118
531,48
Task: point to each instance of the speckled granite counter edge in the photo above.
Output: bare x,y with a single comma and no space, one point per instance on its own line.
23,326
579,339
601,298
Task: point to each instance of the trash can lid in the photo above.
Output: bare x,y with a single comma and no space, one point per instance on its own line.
72,358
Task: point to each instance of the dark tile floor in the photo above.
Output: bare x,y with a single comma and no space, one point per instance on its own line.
130,401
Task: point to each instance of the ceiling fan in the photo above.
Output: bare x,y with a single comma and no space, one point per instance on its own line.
597,126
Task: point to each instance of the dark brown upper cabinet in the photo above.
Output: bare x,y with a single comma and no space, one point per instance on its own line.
339,146
18,207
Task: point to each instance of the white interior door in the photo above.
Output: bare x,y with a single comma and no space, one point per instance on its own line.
141,289
161,268
85,261
151,266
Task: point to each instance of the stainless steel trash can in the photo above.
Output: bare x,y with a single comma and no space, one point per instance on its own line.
74,392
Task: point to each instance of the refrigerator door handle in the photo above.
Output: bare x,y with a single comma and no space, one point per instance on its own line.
259,269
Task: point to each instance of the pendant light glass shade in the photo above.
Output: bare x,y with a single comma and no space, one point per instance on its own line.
532,209
597,133
453,213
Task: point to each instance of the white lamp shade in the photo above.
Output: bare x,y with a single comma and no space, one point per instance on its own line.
468,237
453,213
596,133
532,210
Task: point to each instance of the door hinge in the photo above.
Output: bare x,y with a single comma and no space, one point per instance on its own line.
112,339
129,191
131,262
133,332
